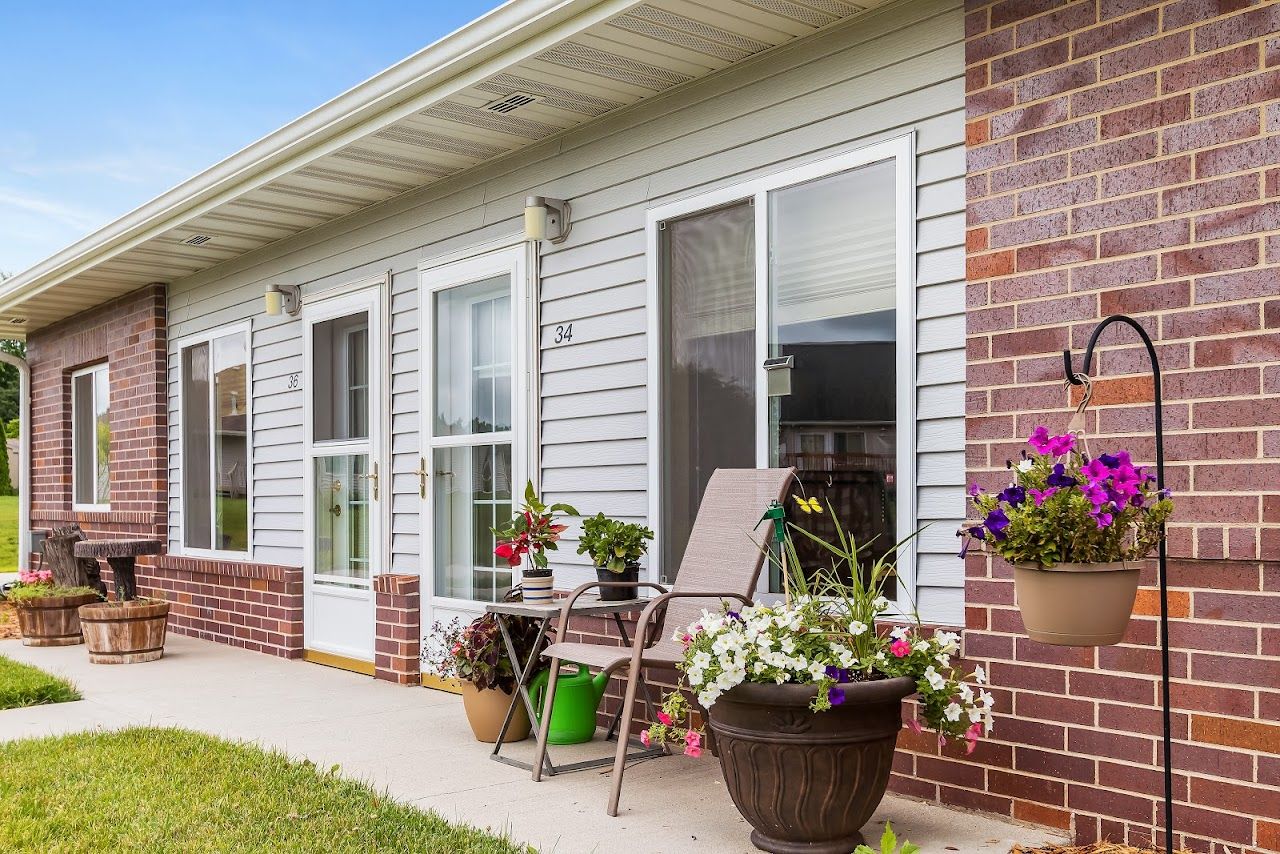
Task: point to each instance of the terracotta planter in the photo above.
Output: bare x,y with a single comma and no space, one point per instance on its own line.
486,710
1076,604
618,594
126,633
808,781
52,620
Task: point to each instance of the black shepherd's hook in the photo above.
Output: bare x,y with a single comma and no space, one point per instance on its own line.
1075,379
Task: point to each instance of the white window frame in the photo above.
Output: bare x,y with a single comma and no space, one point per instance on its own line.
440,274
901,150
91,506
208,337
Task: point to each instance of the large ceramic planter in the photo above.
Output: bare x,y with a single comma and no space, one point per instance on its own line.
808,781
1076,604
618,594
487,709
52,620
124,633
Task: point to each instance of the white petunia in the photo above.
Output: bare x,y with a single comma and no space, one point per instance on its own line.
966,693
980,675
987,700
857,628
880,604
1025,466
701,659
952,712
934,678
899,633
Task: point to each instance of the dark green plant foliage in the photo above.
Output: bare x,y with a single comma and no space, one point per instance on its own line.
612,544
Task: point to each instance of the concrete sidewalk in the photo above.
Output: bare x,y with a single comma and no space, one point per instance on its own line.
415,743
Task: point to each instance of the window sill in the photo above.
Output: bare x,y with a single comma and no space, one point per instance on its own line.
232,568
102,516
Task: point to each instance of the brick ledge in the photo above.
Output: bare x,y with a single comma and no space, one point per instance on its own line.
235,569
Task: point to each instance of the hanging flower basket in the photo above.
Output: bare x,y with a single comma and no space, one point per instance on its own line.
1074,527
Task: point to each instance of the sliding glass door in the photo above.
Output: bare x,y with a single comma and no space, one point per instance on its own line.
808,271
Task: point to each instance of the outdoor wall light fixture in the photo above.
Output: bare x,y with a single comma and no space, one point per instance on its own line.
546,219
283,299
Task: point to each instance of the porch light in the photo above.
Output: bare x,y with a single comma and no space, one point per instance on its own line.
777,372
546,219
282,299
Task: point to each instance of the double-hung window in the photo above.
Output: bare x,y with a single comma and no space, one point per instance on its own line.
215,423
91,437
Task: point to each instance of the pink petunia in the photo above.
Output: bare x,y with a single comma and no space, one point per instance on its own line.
915,726
971,736
900,648
692,738
1039,496
693,751
644,738
664,718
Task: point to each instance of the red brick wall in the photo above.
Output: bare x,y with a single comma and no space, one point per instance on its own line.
254,606
1124,157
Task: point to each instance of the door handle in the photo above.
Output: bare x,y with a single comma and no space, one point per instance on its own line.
373,478
422,474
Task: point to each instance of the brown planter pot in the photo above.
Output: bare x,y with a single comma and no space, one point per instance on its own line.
52,620
808,781
126,633
1076,604
487,709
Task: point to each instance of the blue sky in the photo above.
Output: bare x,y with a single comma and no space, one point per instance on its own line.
104,105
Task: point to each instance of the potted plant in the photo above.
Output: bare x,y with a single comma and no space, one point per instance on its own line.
804,697
615,548
48,612
473,655
132,628
533,532
1074,528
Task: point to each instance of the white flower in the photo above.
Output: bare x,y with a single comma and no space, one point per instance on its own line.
934,678
943,659
987,700
952,712
880,604
966,693
788,644
695,677
707,698
980,675
817,670
1025,466
701,659
949,641
921,645
898,633
975,715
857,628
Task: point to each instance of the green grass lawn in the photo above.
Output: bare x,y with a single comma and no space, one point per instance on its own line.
24,685
8,533
165,790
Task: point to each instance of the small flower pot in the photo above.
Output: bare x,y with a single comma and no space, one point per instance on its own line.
52,620
618,594
1076,604
808,781
125,632
486,711
537,587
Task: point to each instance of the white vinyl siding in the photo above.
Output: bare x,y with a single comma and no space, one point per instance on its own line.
892,71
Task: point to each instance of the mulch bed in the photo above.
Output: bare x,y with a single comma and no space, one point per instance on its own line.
8,622
1096,848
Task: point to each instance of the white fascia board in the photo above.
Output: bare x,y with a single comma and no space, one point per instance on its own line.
512,32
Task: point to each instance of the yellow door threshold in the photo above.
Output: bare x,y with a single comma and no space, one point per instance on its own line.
328,659
437,684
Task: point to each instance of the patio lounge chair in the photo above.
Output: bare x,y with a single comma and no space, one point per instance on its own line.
721,563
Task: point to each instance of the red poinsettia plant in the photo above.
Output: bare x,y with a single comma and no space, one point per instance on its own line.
533,531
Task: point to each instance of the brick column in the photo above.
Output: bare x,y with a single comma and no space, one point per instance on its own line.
398,633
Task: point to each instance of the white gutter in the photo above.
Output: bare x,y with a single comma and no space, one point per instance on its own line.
24,455
451,63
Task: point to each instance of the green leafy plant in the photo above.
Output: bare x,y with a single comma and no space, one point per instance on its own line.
1065,507
888,844
824,634
38,583
613,544
474,652
533,531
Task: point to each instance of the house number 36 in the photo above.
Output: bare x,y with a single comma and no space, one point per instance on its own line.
564,333
295,380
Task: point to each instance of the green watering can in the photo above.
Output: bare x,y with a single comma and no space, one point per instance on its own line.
573,719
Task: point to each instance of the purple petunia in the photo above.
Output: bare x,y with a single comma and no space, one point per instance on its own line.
1013,495
996,522
1059,477
835,695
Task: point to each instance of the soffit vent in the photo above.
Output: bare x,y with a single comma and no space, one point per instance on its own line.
198,239
512,102
16,321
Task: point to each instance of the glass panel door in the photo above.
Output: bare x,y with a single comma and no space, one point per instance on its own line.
472,398
343,474
832,308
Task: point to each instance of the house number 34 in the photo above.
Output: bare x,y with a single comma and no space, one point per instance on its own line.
564,333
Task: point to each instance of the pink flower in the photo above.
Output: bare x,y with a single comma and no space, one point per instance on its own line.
915,726
1039,496
900,648
692,750
644,738
664,718
693,739
686,639
971,736
1054,446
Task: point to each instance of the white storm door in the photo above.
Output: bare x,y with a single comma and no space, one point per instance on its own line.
343,463
473,425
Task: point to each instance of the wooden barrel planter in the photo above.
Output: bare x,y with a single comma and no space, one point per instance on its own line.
52,620
124,633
